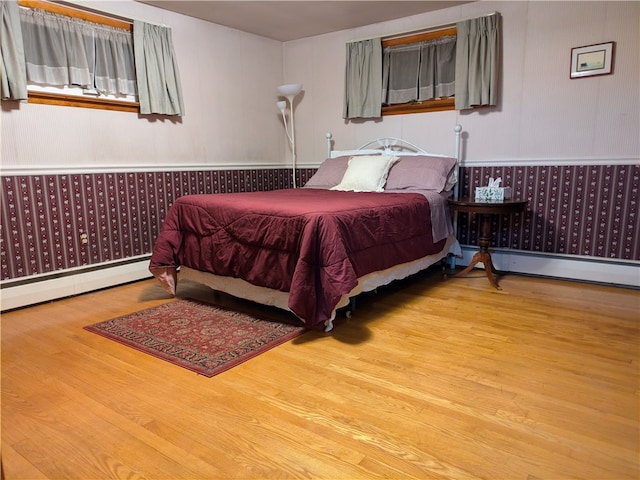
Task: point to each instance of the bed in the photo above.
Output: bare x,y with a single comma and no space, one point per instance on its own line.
367,217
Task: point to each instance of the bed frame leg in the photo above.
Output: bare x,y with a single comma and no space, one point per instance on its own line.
352,307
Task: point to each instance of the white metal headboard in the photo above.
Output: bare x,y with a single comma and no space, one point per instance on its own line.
392,144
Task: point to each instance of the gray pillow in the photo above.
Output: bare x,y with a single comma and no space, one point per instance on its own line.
421,172
329,173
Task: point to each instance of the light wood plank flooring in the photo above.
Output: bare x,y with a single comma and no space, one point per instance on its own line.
430,378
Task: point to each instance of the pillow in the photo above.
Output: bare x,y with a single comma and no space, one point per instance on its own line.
329,173
422,173
367,173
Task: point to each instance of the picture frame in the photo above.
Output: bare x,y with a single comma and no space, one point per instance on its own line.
592,60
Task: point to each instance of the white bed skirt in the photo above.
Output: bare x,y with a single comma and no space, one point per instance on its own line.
266,296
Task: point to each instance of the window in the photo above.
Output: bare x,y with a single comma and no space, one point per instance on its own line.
372,90
419,72
78,58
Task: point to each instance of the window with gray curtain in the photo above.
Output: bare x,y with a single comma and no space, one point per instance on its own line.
48,49
61,50
465,66
419,71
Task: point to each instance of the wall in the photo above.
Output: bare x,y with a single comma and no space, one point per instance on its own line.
83,191
231,125
58,222
229,81
588,211
559,130
543,115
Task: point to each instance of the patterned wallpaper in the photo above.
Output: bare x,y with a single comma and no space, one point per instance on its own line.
56,222
575,210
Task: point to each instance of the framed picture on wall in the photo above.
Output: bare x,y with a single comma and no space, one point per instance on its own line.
592,60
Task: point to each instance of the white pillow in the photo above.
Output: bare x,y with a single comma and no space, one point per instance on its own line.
367,173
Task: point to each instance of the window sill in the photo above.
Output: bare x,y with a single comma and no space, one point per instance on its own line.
74,101
439,105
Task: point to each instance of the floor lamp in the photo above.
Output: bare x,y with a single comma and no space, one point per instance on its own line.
290,91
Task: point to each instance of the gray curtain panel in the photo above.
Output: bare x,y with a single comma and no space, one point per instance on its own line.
62,50
58,49
363,80
437,68
159,89
477,62
13,73
400,72
115,71
419,71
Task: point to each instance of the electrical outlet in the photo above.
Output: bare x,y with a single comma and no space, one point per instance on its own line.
84,238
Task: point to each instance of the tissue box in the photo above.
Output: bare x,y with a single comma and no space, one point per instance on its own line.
492,194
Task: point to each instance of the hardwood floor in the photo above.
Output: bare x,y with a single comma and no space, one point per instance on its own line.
430,378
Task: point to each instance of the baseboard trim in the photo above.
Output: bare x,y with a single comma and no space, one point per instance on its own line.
69,283
587,269
568,267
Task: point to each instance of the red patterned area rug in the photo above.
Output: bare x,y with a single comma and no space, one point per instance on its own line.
201,337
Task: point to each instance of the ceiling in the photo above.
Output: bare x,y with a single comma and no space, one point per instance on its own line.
291,20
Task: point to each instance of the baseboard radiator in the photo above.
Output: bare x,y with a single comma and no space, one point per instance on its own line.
25,292
43,288
623,273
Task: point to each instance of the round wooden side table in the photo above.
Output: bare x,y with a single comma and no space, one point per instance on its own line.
486,210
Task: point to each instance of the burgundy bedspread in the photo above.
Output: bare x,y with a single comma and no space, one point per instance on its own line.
311,243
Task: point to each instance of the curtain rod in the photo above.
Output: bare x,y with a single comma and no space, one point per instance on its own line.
426,29
84,8
107,15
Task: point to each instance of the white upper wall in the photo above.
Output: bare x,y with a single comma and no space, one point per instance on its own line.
229,81
543,115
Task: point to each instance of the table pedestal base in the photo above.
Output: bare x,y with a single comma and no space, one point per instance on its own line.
490,270
485,210
483,255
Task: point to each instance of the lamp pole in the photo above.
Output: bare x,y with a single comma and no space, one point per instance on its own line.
290,92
